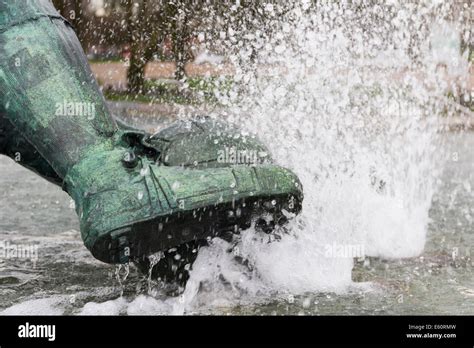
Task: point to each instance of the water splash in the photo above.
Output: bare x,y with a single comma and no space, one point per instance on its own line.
154,259
122,271
349,97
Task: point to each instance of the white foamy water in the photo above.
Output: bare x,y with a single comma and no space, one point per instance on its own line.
348,98
341,94
43,306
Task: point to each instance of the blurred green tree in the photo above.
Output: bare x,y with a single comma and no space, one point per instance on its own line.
146,26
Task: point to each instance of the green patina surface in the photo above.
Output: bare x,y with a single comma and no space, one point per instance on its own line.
134,194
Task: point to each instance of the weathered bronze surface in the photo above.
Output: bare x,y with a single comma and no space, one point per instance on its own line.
135,194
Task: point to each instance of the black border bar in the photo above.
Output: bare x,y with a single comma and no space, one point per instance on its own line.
289,330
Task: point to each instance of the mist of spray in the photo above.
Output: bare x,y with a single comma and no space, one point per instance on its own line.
349,97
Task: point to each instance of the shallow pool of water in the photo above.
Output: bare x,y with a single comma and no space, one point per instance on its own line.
53,273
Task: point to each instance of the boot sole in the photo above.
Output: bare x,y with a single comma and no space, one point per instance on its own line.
166,232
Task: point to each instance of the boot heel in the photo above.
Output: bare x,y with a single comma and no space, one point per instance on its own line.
120,246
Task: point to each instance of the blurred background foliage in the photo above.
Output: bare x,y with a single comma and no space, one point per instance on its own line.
139,31
133,33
